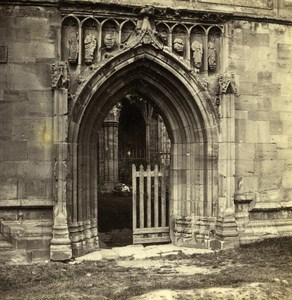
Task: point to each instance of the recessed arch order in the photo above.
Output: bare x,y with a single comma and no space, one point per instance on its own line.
189,117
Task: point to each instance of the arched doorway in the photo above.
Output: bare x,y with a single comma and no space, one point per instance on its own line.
188,115
133,133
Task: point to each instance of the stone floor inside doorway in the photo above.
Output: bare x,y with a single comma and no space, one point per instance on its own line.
261,271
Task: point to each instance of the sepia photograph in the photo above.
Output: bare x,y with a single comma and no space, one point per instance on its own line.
145,149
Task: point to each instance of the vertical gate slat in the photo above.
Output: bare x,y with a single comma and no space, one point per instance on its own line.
148,196
156,204
134,196
163,197
141,200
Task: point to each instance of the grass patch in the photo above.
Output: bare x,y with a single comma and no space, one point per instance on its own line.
259,262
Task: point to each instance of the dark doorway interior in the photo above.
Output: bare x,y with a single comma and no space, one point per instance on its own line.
142,139
115,207
132,141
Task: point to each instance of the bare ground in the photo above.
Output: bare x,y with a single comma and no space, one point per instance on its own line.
258,271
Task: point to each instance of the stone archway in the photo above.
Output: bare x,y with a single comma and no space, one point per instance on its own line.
188,115
192,122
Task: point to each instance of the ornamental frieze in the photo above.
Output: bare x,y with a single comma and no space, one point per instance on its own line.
90,40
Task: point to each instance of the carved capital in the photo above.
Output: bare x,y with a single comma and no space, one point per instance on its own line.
60,75
114,114
227,84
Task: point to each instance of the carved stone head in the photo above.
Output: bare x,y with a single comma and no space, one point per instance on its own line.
178,45
109,41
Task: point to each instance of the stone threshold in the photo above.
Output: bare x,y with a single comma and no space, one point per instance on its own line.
137,252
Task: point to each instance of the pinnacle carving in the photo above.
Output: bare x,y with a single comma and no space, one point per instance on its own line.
227,84
60,75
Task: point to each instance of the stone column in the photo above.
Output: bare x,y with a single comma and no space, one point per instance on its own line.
226,227
110,148
147,110
60,248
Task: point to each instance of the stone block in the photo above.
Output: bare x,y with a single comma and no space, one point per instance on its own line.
35,188
241,114
39,255
19,110
255,40
281,141
251,132
287,127
20,129
5,130
41,130
246,100
264,103
286,115
39,151
265,77
28,76
245,151
240,131
272,89
287,180
8,188
8,169
276,127
284,154
5,111
40,104
28,51
266,151
284,51
35,170
244,167
283,104
269,167
11,96
269,182
14,150
250,183
263,131
263,115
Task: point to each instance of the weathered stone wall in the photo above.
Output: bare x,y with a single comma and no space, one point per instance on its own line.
260,54
29,35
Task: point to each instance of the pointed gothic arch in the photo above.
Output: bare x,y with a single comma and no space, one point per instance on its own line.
190,118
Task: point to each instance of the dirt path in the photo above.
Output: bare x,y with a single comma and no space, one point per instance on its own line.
258,271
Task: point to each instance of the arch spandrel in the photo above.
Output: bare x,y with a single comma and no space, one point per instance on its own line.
164,66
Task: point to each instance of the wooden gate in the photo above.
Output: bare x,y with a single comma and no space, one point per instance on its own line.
150,205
